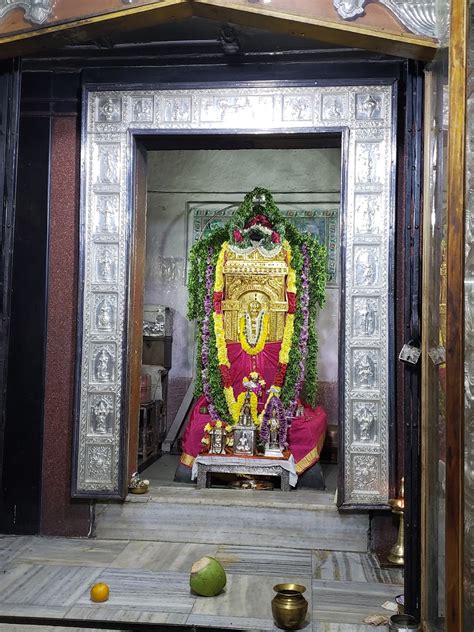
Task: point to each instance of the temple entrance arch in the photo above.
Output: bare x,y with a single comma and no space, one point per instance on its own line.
364,116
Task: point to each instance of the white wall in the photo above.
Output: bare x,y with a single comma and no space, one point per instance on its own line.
177,178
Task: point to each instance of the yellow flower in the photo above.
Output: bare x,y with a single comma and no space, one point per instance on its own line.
219,282
220,339
287,339
208,428
253,406
218,423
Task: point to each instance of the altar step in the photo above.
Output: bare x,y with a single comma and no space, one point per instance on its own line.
302,519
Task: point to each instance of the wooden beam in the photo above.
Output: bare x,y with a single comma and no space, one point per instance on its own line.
458,59
341,33
82,30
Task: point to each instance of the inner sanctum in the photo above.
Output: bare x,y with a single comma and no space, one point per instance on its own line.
249,392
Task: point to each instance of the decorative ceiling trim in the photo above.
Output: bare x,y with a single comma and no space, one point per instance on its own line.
36,11
419,16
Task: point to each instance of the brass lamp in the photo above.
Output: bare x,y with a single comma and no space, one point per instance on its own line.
397,552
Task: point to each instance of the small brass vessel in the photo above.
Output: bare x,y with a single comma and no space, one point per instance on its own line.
289,607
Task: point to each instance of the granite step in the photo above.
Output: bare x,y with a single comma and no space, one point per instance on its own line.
302,520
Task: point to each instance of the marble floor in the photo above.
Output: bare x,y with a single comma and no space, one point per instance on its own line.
50,578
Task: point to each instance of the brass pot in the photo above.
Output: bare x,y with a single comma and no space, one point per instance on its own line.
289,607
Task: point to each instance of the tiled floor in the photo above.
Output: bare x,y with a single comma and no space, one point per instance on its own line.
51,577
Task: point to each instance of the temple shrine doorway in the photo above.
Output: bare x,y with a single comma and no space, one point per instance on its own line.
191,191
121,126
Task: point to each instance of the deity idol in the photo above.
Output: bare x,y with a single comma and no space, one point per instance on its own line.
249,289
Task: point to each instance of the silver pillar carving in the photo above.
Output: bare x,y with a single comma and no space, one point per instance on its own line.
364,117
36,11
419,16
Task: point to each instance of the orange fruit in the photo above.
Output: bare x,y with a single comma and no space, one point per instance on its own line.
99,592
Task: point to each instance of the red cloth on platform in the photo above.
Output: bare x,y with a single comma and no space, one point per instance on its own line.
306,434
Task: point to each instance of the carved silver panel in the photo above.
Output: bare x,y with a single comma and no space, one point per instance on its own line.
365,116
142,110
419,16
366,266
102,414
298,108
368,214
365,369
366,317
104,314
334,107
366,475
108,164
36,11
99,464
369,163
109,109
365,422
369,106
103,363
106,262
106,220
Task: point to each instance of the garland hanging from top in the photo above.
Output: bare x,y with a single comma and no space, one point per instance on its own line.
258,220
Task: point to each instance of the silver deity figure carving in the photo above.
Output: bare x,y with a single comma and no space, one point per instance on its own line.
106,263
142,110
217,437
334,111
274,428
368,157
366,318
366,268
365,375
367,210
273,447
101,412
245,414
107,165
365,418
243,445
105,315
107,213
103,372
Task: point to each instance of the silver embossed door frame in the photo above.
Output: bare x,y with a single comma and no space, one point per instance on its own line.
113,120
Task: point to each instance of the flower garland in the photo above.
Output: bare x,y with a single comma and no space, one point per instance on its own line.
303,339
299,373
251,347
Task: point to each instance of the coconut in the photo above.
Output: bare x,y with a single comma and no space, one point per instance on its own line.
207,577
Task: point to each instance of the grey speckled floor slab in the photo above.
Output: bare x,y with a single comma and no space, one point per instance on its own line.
149,583
350,602
357,567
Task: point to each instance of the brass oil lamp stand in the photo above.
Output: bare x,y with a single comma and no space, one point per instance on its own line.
397,552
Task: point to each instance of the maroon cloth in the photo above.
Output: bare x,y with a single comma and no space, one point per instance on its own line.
306,434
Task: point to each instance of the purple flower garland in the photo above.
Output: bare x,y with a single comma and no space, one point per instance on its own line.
303,341
206,335
275,402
